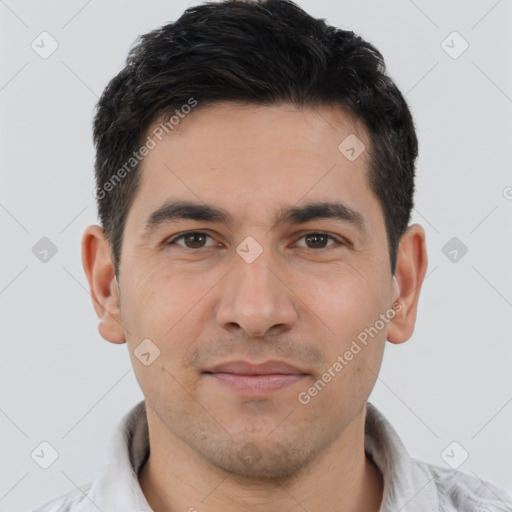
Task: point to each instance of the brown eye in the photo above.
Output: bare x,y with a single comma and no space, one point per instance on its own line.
192,240
319,240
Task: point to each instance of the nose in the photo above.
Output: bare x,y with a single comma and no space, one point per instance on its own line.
256,298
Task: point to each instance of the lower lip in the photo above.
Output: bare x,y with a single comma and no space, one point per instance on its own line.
255,385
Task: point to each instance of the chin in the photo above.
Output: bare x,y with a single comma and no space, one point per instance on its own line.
263,459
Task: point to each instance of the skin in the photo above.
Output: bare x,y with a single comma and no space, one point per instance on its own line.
300,302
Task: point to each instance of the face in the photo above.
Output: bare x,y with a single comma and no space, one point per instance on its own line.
219,295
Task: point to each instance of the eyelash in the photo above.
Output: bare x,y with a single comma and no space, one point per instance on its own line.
172,241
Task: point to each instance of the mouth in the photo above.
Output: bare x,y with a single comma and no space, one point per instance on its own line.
251,379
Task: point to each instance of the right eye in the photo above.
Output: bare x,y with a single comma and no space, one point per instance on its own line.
192,240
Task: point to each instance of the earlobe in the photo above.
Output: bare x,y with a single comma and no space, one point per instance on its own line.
409,275
100,272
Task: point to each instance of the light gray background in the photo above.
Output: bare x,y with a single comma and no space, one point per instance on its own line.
62,383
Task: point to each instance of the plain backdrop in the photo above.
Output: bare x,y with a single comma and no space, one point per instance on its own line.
61,383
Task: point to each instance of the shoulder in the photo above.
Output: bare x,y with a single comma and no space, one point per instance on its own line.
461,491
74,501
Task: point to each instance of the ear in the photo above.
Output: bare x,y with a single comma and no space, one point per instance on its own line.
100,271
409,275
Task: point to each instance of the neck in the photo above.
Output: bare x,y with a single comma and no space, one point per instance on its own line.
342,478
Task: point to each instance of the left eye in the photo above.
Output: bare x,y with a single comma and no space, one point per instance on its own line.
196,239
316,237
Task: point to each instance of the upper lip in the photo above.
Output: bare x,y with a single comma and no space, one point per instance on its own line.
266,368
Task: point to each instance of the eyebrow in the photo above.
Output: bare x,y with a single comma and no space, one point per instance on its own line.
173,211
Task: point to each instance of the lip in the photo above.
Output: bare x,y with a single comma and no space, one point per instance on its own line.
267,368
252,379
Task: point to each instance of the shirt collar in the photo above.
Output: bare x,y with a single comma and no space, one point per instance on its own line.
116,486
408,485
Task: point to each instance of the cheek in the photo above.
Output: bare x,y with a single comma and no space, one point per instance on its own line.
350,307
345,385
346,300
157,301
159,308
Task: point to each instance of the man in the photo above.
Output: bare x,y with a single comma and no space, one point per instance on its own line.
255,178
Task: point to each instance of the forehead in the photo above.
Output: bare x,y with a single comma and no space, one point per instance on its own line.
255,159
239,128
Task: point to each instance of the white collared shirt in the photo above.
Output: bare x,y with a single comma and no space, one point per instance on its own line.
409,485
